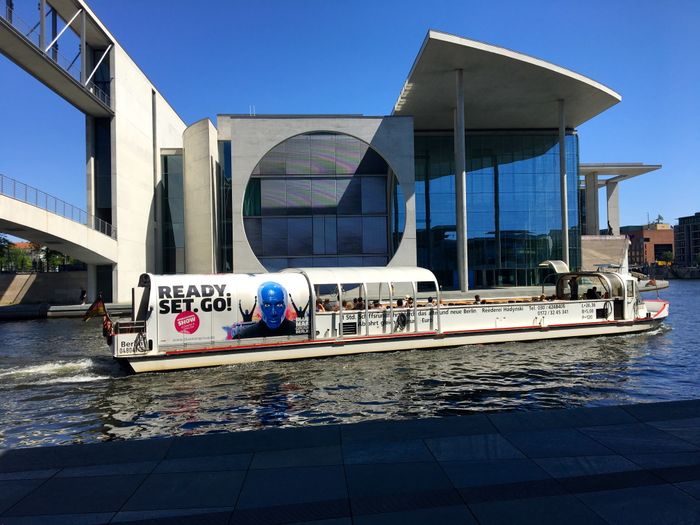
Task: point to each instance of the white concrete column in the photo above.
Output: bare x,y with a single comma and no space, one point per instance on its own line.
563,189
460,151
200,153
613,207
592,209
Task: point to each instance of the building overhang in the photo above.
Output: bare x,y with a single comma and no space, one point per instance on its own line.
616,172
503,89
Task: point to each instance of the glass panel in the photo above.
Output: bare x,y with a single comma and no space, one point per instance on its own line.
349,196
373,235
253,231
350,235
299,236
373,195
323,197
274,236
273,196
298,197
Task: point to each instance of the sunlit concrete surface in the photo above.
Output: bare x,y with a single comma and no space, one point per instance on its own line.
618,464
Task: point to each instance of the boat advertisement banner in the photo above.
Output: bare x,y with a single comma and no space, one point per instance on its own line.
210,309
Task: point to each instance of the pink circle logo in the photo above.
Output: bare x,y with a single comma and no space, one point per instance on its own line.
187,322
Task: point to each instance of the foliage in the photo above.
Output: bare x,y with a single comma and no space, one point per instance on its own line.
666,257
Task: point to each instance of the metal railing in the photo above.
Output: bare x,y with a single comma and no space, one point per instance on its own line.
23,192
99,90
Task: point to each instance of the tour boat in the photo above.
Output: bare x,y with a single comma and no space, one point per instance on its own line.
187,321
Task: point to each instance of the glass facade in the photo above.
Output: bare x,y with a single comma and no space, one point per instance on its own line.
513,206
223,174
173,214
323,199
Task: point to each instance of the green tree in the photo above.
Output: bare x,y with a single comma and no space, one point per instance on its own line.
4,251
666,257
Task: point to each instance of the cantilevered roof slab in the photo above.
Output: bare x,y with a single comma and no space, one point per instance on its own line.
616,172
502,89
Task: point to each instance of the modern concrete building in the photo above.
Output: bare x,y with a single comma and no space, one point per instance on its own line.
474,174
687,241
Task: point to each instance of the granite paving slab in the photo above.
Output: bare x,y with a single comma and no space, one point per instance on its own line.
567,467
560,418
205,463
12,491
651,505
452,515
289,486
186,490
464,474
477,447
298,457
553,510
85,495
413,450
555,442
665,410
60,519
685,429
637,439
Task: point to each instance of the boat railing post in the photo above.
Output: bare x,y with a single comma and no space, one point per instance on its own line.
439,302
391,307
340,312
415,306
364,292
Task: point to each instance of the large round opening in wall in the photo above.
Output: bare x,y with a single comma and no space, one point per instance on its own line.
323,199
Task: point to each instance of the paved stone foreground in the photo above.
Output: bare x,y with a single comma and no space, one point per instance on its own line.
627,464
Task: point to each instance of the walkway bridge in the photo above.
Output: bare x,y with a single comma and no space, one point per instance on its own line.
31,214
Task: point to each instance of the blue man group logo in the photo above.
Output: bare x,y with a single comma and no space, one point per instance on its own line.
272,301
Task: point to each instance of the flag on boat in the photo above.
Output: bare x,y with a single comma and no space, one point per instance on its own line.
96,308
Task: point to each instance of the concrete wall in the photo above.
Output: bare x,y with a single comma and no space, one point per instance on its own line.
252,138
33,288
200,156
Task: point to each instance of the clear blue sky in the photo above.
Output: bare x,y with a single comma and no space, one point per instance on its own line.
325,56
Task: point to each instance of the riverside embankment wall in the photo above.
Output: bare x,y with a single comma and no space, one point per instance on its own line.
34,288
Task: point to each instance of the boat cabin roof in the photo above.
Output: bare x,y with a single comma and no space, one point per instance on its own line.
366,274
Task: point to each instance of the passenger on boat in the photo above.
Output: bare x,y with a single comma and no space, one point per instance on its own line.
399,303
319,306
592,293
430,302
573,284
477,299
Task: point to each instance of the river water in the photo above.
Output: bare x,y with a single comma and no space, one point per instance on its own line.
58,383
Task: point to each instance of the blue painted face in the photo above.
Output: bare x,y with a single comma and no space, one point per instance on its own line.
272,298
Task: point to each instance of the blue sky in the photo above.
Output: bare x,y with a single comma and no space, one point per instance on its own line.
353,57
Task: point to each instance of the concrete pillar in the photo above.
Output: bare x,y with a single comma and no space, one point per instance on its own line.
460,151
592,209
200,154
83,48
613,207
91,283
563,189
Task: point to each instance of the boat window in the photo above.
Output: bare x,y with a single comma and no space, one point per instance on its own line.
630,289
353,296
402,292
616,286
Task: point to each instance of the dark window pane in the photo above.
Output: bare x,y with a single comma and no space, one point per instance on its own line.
274,236
350,235
253,231
373,195
299,236
323,196
374,235
349,196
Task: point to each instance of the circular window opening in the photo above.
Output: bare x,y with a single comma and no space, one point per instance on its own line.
323,199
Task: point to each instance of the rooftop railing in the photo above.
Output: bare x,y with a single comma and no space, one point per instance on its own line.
23,192
72,66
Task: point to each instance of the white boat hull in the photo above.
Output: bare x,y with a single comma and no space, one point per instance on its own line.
195,358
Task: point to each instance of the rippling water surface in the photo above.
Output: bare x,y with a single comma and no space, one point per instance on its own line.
58,383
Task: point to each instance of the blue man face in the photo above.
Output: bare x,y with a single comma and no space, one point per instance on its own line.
272,298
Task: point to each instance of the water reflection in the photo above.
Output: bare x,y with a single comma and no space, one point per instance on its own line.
59,385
